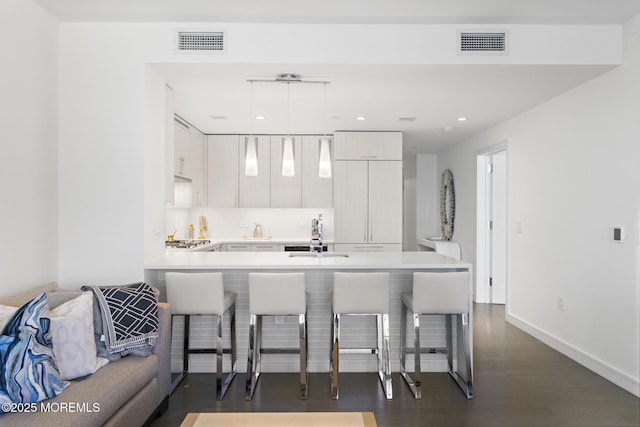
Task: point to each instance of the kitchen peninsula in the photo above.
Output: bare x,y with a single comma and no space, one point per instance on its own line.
235,267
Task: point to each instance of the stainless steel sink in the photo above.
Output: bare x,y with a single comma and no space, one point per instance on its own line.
315,254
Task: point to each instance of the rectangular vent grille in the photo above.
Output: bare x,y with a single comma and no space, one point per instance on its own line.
482,42
200,41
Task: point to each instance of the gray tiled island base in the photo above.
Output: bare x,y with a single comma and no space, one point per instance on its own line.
361,331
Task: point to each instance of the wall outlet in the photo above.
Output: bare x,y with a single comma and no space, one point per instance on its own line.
519,227
243,224
561,303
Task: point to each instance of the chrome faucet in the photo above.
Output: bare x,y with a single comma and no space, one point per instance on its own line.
316,235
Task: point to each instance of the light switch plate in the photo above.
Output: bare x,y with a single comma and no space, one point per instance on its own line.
618,234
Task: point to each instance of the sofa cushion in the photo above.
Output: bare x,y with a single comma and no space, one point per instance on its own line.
6,311
93,400
18,300
72,336
29,370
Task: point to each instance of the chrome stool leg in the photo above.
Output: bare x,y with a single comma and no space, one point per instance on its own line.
222,383
252,375
304,357
415,383
386,375
334,363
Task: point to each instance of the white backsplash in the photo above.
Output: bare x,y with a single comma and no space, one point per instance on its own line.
235,223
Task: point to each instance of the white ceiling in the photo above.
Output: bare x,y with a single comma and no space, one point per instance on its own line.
435,94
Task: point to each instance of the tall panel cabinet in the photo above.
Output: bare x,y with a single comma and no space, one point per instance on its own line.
368,191
222,171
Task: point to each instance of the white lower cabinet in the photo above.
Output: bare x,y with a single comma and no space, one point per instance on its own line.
252,247
265,247
238,247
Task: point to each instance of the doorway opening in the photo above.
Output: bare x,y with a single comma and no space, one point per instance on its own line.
491,229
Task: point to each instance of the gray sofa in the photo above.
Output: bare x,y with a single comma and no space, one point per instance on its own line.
129,392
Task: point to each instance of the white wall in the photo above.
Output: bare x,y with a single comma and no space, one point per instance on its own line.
427,196
574,171
29,121
237,222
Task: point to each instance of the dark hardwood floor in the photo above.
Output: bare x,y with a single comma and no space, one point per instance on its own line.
518,381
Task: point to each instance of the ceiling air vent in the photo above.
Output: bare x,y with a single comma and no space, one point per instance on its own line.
200,42
482,42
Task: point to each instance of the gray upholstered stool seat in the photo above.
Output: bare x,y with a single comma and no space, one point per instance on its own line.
361,294
275,294
437,293
203,294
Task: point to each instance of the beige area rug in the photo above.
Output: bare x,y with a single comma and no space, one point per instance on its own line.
280,419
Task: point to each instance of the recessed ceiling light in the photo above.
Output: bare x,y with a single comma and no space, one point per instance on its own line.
448,128
217,117
259,117
462,119
407,119
361,118
335,117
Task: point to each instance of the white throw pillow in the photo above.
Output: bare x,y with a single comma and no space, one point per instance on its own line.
6,312
72,336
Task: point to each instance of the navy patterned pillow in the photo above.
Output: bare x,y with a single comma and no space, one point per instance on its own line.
29,370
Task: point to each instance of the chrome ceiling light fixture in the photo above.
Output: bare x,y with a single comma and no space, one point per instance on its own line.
288,159
251,143
324,166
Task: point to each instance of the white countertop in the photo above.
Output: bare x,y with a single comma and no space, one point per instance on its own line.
283,260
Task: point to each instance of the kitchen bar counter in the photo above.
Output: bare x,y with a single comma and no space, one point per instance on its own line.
358,331
304,260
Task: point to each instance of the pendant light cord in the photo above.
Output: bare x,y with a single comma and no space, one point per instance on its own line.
288,110
251,107
324,116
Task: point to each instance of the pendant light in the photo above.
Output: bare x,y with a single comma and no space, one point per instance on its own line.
324,166
288,160
251,143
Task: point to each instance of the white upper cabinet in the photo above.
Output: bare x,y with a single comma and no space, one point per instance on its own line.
189,159
255,191
228,186
169,145
181,148
198,162
368,145
316,192
285,190
222,171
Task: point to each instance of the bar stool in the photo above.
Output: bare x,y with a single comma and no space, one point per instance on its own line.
361,294
437,293
203,294
275,294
